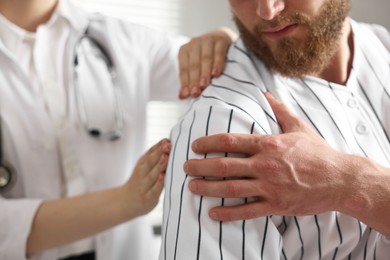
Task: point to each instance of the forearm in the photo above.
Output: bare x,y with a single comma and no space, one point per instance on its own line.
368,196
59,222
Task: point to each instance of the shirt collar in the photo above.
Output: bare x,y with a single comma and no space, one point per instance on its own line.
11,36
74,14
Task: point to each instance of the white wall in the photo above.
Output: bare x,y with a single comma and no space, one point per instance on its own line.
372,11
201,15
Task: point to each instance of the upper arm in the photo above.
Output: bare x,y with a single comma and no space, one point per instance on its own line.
187,228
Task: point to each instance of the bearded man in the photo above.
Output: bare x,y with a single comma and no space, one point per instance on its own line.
306,177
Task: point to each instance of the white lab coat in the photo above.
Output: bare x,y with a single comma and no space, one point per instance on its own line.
145,61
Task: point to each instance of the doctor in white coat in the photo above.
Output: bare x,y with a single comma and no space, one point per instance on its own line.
72,117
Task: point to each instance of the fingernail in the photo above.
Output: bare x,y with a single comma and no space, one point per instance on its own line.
165,147
192,186
194,91
203,82
185,92
194,146
185,167
214,72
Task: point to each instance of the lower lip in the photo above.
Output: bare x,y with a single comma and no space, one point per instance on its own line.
282,33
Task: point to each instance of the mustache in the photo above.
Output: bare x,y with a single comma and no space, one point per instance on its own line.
296,18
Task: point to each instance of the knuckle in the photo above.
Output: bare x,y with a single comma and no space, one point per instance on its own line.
232,189
220,53
153,156
272,142
194,66
222,168
228,141
207,57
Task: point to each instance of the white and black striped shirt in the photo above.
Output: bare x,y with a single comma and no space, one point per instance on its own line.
354,118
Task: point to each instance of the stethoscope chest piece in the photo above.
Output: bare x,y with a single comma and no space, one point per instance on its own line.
7,177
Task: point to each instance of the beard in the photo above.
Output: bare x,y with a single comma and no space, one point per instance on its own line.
308,56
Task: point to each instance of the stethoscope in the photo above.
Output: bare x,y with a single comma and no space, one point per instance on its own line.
116,132
7,172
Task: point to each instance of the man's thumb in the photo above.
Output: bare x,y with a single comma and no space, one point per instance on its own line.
287,120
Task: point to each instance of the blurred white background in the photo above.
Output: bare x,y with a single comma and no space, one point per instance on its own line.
191,18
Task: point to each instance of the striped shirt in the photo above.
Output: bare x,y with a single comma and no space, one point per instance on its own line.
354,119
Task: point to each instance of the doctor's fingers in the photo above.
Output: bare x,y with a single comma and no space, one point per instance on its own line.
153,155
153,177
149,185
215,45
209,63
185,67
220,50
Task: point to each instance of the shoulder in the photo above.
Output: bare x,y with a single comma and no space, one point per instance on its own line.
244,77
239,92
376,31
133,33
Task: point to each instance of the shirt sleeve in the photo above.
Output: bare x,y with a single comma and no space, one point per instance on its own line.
187,228
383,35
16,218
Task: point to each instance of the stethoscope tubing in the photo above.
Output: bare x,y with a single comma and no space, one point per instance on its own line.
117,130
8,174
7,171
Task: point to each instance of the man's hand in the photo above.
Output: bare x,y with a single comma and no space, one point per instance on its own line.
294,173
203,58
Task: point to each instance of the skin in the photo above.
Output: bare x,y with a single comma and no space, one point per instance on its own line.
58,222
252,12
197,70
285,179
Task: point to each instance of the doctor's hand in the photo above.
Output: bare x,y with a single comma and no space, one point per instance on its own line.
203,58
144,187
295,173
62,221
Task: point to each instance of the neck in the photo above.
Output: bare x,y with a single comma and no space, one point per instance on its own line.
341,62
28,14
